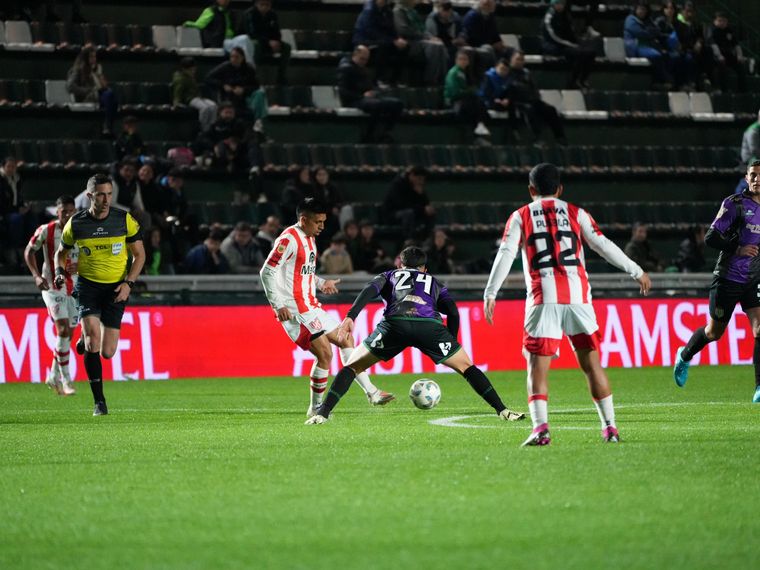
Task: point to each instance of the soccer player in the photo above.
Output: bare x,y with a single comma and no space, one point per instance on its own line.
103,235
290,281
551,233
61,305
414,299
736,233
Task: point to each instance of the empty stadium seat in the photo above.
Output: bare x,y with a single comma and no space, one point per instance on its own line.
18,37
189,43
56,92
614,49
680,105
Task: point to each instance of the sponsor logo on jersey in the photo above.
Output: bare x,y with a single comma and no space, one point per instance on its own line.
754,228
415,299
549,210
100,232
553,223
86,250
308,270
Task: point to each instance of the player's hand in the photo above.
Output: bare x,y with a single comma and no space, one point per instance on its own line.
329,286
283,314
646,284
747,251
122,292
59,281
345,329
41,283
489,306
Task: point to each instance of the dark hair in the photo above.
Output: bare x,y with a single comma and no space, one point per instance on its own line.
96,180
413,256
339,237
502,61
186,62
65,200
243,227
225,105
216,235
465,52
365,222
753,163
544,178
416,170
238,50
720,14
310,206
9,158
175,173
129,120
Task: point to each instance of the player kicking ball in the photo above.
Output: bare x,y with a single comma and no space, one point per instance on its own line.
413,300
60,303
551,233
737,275
290,282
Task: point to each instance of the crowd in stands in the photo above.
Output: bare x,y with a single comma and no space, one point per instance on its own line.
461,53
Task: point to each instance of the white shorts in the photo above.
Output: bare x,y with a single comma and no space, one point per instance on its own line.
545,325
61,306
303,326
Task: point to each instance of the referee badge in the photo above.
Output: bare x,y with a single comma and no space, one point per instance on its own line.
116,247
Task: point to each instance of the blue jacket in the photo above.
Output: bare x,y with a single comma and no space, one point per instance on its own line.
479,30
374,26
494,87
640,33
199,261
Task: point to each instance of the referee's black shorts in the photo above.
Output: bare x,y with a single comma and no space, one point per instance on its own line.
97,299
724,294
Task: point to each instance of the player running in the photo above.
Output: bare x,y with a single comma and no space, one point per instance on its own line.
103,235
290,281
413,300
551,233
61,305
736,233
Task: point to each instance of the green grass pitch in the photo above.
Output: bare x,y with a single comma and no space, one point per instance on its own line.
223,474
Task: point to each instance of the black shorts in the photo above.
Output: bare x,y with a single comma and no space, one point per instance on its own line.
724,295
97,299
394,335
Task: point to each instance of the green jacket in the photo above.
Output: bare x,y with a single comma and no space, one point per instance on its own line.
456,85
184,88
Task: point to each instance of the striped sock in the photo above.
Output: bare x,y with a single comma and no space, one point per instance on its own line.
318,385
62,353
539,412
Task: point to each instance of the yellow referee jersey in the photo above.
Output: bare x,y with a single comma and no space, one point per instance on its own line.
102,243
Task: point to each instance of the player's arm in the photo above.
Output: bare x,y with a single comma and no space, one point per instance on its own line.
67,243
281,252
448,307
610,252
371,291
136,248
30,257
510,245
720,235
327,286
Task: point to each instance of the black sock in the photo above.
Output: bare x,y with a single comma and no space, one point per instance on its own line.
696,343
482,385
94,368
340,385
756,361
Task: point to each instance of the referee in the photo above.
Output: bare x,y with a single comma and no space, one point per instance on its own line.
103,234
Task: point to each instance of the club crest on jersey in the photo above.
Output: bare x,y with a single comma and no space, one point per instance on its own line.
281,248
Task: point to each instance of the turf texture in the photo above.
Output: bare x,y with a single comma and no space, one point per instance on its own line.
223,474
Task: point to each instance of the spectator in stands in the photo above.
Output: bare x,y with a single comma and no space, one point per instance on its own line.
559,39
524,95
87,84
296,189
185,91
268,232
227,143
207,258
482,33
236,81
727,53
691,252
751,142
691,35
370,255
640,250
336,260
217,31
460,93
423,47
175,202
263,28
374,28
356,89
495,88
130,142
158,254
351,231
152,195
328,194
642,39
241,250
446,25
683,67
407,203
126,190
439,249
17,221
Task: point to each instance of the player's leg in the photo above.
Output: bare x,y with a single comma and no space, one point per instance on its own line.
63,352
599,386
54,308
92,332
110,324
322,351
753,314
538,395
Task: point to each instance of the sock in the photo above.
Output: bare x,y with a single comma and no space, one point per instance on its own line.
363,378
94,368
606,411
340,385
539,413
55,368
756,361
696,343
318,384
482,385
62,351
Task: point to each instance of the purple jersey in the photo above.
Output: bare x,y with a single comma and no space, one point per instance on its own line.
410,294
739,221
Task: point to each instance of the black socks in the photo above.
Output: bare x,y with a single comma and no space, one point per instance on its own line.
340,385
482,385
94,367
696,343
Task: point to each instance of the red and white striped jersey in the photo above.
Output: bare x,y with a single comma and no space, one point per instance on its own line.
551,233
289,276
47,238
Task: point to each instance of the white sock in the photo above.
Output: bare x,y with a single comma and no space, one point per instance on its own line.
318,384
55,369
62,354
606,411
539,409
361,379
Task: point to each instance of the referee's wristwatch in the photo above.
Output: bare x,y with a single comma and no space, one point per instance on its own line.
131,284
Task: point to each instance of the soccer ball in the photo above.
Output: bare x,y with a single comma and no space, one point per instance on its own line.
425,394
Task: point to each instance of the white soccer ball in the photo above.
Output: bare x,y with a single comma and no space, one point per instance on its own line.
425,394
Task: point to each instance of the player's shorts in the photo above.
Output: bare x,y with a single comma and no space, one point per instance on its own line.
61,306
303,328
391,336
724,295
545,325
97,299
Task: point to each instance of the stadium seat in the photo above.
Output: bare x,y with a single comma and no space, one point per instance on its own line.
141,38
101,153
188,42
27,152
552,97
614,49
56,93
680,105
96,35
164,37
574,107
702,109
289,37
18,37
51,154
2,32
510,40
